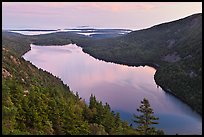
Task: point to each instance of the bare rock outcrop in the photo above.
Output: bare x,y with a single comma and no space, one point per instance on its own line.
5,73
174,57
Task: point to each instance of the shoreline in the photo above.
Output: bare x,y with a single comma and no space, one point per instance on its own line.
155,66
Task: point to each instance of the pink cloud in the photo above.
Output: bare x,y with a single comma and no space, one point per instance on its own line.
104,6
32,9
116,7
47,7
56,4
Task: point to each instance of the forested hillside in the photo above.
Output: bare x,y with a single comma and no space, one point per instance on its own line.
35,102
175,46
17,43
32,105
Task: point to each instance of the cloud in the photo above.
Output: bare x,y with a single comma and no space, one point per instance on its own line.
32,9
103,14
104,6
116,7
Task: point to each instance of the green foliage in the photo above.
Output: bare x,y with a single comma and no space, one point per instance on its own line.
45,109
150,46
57,110
22,44
188,89
97,129
105,121
146,119
32,106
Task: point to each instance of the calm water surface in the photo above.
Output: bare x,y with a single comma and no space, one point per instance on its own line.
123,87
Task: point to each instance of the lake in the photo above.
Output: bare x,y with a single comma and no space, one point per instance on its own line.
86,32
122,87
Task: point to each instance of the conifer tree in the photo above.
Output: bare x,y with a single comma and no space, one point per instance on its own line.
92,102
146,119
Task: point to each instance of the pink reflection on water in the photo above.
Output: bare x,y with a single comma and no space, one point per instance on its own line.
119,85
123,87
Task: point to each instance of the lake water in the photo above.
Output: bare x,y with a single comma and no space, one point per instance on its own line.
121,86
34,32
48,32
78,31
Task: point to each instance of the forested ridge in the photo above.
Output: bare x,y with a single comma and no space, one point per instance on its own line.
174,48
34,102
28,94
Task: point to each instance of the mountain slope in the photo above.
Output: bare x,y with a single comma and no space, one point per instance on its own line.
17,43
174,46
35,102
46,109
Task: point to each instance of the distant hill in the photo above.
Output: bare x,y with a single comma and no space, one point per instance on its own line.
31,105
98,33
33,30
17,43
174,46
34,102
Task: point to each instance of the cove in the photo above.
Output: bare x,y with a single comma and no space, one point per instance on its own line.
122,87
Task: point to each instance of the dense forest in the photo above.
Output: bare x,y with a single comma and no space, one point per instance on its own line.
174,49
28,94
34,102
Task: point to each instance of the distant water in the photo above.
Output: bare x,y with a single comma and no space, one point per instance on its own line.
34,32
121,86
48,32
86,32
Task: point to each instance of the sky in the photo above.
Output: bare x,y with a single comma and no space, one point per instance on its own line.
61,15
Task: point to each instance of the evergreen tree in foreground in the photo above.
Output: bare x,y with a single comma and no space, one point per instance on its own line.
146,119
